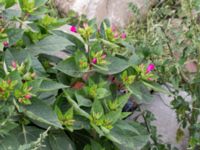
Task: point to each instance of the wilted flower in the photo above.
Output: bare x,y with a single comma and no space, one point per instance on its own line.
5,44
73,29
78,85
150,68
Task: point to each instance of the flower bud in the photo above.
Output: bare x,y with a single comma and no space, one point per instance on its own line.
27,96
116,35
94,60
103,56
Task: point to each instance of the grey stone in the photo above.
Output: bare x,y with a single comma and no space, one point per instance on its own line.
115,10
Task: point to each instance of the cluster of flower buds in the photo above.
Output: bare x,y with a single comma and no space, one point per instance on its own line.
15,66
21,69
117,34
99,58
146,72
112,34
6,87
127,79
86,31
24,95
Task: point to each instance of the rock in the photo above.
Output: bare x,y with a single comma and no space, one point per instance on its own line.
166,122
116,11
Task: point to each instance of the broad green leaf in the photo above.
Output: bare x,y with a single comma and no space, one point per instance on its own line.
105,24
39,3
110,44
81,123
21,135
140,92
50,85
102,93
10,3
127,137
14,35
42,113
156,87
128,46
48,97
97,109
11,13
78,43
116,65
135,59
9,143
113,116
82,101
6,127
60,141
49,45
70,68
94,146
76,106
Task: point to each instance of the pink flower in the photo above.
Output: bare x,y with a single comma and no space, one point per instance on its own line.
116,35
123,35
94,60
14,64
27,96
150,68
73,29
5,44
103,56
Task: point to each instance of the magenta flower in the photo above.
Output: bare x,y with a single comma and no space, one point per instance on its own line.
73,29
150,68
94,60
123,35
5,44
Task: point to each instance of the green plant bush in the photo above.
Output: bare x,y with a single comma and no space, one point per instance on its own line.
74,101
